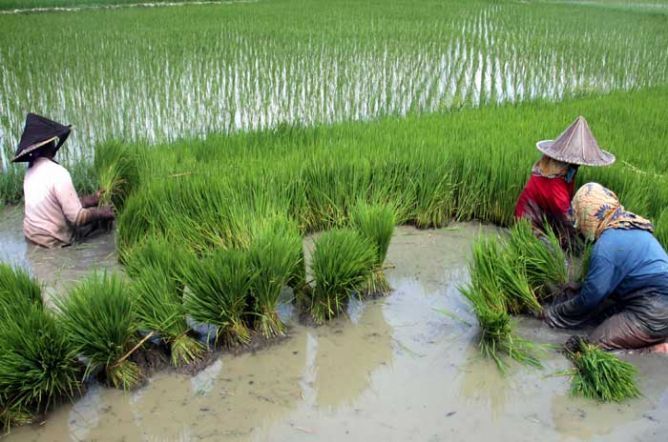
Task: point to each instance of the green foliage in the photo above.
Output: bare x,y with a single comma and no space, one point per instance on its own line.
38,365
601,375
342,263
219,288
101,323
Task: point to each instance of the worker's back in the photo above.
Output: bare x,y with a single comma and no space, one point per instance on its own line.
51,204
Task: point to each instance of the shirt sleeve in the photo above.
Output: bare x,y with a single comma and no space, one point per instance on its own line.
561,199
67,198
599,283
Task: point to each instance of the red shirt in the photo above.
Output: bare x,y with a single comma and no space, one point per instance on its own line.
551,195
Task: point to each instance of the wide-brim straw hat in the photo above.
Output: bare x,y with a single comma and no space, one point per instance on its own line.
576,145
38,132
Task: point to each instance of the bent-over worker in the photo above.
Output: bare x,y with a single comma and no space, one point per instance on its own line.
53,210
548,192
627,266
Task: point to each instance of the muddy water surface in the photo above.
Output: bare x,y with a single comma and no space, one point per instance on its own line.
392,369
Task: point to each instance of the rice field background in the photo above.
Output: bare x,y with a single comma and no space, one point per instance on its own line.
184,72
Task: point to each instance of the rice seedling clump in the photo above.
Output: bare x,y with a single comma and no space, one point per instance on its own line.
117,169
376,223
275,253
600,375
218,293
100,320
343,260
38,365
18,290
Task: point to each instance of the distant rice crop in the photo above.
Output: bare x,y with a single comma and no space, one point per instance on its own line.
179,73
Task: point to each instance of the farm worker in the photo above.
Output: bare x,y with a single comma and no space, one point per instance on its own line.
547,195
628,268
53,211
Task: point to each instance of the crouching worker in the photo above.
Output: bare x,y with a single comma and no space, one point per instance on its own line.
54,214
628,269
547,195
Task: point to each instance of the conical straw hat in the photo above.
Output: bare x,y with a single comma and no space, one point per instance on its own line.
576,145
39,131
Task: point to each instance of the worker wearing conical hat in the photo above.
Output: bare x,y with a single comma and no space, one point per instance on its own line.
627,268
53,210
547,195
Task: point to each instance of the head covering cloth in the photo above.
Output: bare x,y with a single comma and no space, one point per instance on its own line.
597,209
37,133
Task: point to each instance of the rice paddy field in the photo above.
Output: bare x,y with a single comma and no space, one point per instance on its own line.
308,176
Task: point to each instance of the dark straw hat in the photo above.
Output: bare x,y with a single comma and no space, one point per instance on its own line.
576,145
38,132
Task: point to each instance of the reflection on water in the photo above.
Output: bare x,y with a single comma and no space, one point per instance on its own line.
401,370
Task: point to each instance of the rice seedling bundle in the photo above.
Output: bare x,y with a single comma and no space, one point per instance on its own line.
275,254
18,291
600,375
118,173
489,302
342,262
543,260
376,223
99,318
218,292
38,365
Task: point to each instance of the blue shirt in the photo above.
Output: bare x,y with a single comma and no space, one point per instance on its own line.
622,262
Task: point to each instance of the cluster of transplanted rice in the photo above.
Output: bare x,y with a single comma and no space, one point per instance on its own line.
38,364
600,375
184,75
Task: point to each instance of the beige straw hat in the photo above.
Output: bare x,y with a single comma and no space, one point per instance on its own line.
576,145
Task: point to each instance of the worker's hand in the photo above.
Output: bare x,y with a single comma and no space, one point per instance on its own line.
106,212
100,192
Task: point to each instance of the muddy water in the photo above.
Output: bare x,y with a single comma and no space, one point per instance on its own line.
392,369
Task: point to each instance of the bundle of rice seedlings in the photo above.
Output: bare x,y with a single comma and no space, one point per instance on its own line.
160,309
18,290
600,375
275,253
218,290
117,168
543,260
342,262
376,223
38,365
433,196
100,321
486,295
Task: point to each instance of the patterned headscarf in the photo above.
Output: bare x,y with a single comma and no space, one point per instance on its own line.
597,209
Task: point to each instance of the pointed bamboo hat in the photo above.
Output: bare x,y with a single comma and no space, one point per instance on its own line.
576,145
38,132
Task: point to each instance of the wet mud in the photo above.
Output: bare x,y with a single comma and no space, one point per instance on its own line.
393,368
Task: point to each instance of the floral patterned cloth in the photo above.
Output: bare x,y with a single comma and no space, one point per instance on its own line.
596,209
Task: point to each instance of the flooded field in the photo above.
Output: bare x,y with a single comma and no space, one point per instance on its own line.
394,369
234,66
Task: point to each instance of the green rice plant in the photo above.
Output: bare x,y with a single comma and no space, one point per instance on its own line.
219,286
160,309
489,302
376,223
38,365
275,253
117,169
543,260
99,318
18,291
341,264
434,196
600,375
